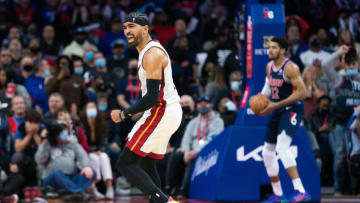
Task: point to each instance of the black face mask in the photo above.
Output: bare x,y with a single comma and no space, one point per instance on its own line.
204,110
323,111
315,43
28,68
186,110
35,50
133,71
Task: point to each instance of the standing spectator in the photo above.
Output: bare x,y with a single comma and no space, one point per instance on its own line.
61,160
18,107
96,130
56,101
27,140
345,38
300,23
347,97
314,56
314,91
114,34
49,46
8,87
199,132
68,85
354,151
36,87
117,62
76,47
296,46
163,28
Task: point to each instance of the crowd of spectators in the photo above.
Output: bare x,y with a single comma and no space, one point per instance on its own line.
64,64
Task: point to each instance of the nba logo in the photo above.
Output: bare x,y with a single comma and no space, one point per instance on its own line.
268,14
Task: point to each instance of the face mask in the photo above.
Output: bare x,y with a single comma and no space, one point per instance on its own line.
46,74
103,107
351,72
91,113
204,110
28,68
323,111
235,85
230,106
64,135
100,62
186,109
78,70
133,71
89,55
315,43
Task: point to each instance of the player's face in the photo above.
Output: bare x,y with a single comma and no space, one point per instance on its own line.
274,51
133,33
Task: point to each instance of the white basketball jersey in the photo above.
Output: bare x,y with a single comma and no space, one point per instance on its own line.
168,92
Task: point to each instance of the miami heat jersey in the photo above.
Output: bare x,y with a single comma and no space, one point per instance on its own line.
168,92
280,85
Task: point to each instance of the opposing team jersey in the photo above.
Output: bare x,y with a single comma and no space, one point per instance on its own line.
280,85
168,92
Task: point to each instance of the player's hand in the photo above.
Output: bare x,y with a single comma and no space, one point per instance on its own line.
88,172
343,49
115,115
272,106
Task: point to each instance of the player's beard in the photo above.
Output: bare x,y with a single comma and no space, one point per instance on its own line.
274,56
135,42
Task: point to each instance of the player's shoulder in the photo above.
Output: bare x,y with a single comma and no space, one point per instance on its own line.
292,65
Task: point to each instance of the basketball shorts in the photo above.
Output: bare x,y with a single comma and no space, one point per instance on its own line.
151,133
287,118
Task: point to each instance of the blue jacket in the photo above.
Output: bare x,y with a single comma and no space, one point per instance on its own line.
36,88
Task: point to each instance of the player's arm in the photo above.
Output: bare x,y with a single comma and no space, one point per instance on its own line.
153,62
293,74
266,89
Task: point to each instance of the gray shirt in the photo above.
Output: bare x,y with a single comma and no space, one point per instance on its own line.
190,141
66,157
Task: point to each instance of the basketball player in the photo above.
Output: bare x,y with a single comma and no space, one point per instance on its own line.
286,89
160,102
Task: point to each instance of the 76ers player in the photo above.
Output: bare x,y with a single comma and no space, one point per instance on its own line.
286,89
160,103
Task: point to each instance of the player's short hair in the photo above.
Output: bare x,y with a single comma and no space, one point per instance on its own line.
281,42
351,56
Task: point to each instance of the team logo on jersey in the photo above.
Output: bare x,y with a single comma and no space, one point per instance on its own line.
268,14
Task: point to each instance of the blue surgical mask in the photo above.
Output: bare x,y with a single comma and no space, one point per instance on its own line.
46,74
352,72
89,55
103,107
100,62
91,113
235,85
78,70
230,106
64,135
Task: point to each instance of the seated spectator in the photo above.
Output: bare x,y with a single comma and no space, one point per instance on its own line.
15,49
314,91
6,143
227,110
346,38
235,60
68,85
11,184
96,130
296,46
61,159
101,68
78,67
49,46
76,47
198,133
93,81
35,85
76,131
88,56
34,46
56,101
9,88
216,87
354,151
235,93
117,62
26,68
18,108
115,33
5,59
27,140
315,55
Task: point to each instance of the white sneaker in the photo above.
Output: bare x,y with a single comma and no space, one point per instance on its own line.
123,192
97,195
110,193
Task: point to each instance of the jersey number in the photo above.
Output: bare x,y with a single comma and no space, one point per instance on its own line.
293,118
275,93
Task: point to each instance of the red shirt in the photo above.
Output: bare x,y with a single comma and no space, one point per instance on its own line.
164,33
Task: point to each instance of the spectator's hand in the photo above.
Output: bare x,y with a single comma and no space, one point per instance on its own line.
38,109
43,135
61,74
74,111
343,49
272,106
88,172
31,128
357,108
186,157
115,115
114,145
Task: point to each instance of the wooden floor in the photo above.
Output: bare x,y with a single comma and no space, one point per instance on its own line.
142,199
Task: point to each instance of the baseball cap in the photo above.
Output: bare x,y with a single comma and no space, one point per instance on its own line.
118,43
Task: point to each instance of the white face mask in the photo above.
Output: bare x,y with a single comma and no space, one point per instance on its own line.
235,85
91,113
230,106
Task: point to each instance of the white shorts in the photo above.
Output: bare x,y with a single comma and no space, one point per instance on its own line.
151,133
